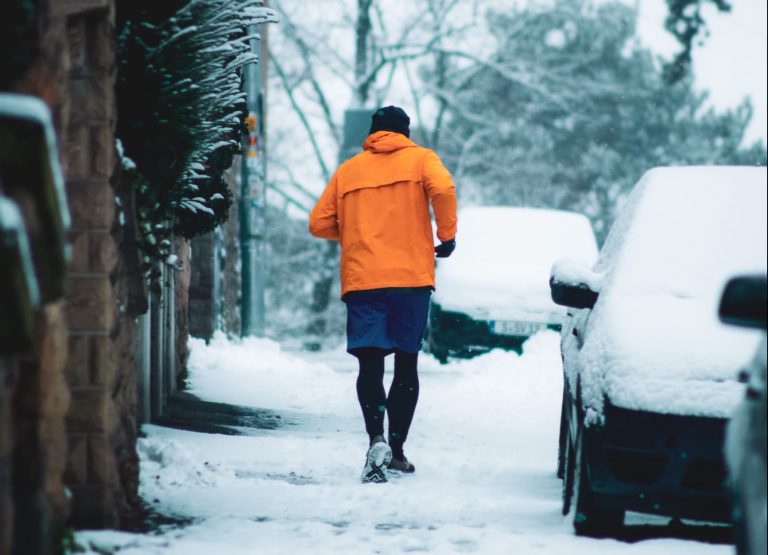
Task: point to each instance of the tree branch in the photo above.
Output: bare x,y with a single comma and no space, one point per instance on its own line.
302,116
306,55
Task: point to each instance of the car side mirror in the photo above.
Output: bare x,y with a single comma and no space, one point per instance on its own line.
744,302
573,284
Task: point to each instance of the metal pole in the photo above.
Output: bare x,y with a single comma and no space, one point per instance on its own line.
157,344
253,202
144,342
246,303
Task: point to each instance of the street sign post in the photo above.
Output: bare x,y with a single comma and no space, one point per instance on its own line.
253,199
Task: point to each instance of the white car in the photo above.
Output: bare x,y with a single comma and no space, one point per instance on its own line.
649,369
492,292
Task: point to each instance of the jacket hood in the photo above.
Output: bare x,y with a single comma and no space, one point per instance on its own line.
386,141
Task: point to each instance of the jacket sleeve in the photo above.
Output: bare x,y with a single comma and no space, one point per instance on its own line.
323,220
442,195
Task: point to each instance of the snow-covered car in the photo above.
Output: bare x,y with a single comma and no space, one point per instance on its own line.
492,292
744,304
649,379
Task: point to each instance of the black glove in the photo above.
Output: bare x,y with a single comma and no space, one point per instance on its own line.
444,249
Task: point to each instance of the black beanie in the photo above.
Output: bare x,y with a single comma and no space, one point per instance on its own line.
390,118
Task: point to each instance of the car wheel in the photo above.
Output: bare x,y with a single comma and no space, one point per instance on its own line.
749,508
590,519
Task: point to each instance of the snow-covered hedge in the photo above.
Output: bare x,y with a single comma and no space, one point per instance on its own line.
181,109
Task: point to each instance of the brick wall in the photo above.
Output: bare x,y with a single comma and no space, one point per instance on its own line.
85,340
101,369
68,411
34,397
8,369
202,302
40,401
214,292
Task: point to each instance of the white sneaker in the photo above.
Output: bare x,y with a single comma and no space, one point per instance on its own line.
376,462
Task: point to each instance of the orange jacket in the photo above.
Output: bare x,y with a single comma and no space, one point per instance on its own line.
377,206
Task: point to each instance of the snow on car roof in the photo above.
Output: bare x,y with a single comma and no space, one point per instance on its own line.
654,340
501,266
689,227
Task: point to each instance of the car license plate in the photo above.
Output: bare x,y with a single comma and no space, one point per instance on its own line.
506,327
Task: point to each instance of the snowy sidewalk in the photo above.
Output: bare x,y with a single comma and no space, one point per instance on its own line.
484,443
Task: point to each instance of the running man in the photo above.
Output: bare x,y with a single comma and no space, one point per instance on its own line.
377,206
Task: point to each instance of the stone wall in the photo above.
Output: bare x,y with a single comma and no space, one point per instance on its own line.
214,289
8,370
101,369
87,339
34,397
41,399
68,410
202,302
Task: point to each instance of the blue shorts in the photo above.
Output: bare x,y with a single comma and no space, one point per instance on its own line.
389,319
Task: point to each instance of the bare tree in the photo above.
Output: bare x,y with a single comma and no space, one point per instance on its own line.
364,72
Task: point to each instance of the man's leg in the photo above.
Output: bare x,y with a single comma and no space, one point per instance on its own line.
370,393
370,389
401,403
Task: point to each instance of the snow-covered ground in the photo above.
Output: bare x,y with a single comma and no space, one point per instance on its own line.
483,441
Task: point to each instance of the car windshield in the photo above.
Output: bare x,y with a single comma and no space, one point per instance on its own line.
687,230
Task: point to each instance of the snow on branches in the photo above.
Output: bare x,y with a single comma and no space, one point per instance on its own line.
181,102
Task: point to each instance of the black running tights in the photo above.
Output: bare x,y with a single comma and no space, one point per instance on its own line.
399,405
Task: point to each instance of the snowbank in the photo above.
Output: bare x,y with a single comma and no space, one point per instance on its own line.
169,463
500,269
257,372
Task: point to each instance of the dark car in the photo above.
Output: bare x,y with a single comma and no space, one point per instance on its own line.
648,369
492,293
744,304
